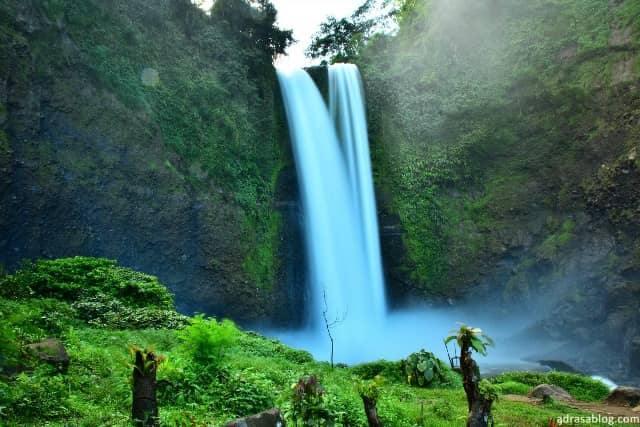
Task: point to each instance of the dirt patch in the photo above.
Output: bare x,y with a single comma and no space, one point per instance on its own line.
620,36
591,407
623,71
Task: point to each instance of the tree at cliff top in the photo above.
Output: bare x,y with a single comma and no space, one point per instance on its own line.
342,40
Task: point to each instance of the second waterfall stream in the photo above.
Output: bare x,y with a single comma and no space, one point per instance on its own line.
331,151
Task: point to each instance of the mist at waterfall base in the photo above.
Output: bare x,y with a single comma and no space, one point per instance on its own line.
346,286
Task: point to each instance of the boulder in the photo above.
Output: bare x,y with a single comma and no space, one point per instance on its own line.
270,418
51,351
624,396
547,392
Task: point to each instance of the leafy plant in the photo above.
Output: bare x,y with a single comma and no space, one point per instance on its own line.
488,390
477,339
42,393
308,404
206,339
370,389
148,359
424,369
443,409
247,393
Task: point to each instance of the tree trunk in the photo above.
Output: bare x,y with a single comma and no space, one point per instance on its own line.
371,411
144,409
479,407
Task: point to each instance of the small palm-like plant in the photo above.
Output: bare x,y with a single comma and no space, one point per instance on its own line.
479,395
468,337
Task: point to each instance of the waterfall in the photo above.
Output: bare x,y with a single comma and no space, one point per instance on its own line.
341,232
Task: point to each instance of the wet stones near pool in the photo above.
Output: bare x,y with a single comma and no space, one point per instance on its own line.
548,392
624,396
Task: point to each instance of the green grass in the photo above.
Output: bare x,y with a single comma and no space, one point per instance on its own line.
211,372
582,388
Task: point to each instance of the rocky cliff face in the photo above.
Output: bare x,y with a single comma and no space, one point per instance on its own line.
504,140
96,159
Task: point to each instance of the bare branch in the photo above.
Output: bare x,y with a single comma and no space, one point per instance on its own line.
329,325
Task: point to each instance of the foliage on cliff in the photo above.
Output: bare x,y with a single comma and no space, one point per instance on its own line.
152,124
488,116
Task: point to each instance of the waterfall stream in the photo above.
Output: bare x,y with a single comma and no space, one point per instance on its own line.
344,280
331,152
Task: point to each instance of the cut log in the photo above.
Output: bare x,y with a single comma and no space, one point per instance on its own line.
371,411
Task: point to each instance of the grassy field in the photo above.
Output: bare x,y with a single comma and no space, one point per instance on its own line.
211,371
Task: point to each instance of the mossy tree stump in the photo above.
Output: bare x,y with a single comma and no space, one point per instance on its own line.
479,405
144,409
480,396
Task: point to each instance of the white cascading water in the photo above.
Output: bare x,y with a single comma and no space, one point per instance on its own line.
341,231
331,151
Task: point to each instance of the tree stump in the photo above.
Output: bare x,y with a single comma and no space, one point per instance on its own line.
371,411
479,407
144,410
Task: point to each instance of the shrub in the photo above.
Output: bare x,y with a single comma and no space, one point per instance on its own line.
389,370
424,369
9,349
443,409
205,340
29,322
258,345
307,403
247,393
108,312
513,387
71,278
37,394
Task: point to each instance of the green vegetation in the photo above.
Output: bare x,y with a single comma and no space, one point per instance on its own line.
474,339
68,279
582,388
205,340
201,86
210,372
424,369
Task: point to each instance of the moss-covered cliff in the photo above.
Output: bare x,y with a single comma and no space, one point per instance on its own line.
505,140
147,132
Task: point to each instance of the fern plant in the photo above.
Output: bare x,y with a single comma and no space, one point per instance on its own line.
473,337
